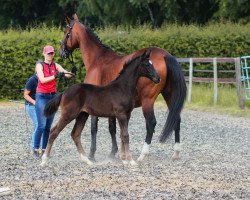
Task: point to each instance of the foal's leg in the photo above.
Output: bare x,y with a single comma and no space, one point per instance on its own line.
76,136
112,130
148,112
125,154
52,136
94,127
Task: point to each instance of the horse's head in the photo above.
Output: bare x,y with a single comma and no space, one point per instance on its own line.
69,41
147,68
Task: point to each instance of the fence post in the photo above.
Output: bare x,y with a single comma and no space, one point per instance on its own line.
238,82
190,80
215,81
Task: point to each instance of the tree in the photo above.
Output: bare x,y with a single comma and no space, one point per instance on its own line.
15,13
234,10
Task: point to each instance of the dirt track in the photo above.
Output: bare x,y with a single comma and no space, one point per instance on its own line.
214,164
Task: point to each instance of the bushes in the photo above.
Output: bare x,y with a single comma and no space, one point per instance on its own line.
20,49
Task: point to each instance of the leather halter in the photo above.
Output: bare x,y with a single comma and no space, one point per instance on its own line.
67,52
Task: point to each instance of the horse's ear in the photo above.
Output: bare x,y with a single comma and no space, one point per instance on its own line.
75,16
67,19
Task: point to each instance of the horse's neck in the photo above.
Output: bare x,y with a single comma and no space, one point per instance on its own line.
91,49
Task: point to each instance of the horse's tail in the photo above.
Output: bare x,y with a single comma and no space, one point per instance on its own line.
52,106
175,93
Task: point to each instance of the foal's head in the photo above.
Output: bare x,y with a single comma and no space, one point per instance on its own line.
147,68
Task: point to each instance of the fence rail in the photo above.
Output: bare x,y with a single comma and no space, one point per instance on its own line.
215,78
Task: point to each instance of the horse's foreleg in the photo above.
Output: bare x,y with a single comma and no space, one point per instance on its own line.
76,136
52,136
148,112
125,152
94,128
112,130
177,146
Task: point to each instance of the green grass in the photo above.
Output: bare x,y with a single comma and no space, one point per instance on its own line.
202,99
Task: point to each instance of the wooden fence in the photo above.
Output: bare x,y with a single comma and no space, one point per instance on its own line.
215,79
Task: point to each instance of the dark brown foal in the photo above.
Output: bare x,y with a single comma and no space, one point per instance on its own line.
114,100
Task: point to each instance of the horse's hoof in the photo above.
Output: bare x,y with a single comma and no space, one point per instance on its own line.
112,156
92,159
176,155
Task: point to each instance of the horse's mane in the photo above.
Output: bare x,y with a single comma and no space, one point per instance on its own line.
95,36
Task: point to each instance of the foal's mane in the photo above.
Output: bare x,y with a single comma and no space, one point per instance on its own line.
95,36
125,66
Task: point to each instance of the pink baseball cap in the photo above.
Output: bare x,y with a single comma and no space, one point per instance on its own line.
48,49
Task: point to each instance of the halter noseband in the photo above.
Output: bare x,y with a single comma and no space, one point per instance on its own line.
66,51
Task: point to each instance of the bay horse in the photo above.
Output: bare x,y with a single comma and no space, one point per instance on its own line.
113,100
103,64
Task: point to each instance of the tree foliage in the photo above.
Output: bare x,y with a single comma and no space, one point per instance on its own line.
15,13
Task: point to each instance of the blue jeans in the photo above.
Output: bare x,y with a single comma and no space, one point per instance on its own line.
30,109
44,123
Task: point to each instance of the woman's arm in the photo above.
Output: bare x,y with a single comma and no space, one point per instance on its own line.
27,97
40,75
61,69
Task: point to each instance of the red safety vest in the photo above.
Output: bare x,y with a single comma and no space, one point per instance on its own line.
48,70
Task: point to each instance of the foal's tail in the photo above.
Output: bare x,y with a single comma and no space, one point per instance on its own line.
175,94
52,106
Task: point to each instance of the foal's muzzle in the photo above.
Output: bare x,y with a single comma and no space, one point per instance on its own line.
156,79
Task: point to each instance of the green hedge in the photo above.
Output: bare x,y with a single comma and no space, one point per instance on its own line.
20,49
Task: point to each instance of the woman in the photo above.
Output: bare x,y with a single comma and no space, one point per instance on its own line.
47,72
30,100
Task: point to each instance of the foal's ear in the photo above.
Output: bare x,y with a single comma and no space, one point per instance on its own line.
67,19
146,54
75,16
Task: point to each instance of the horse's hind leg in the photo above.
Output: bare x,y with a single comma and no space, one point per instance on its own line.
94,127
52,136
148,112
177,147
112,130
76,136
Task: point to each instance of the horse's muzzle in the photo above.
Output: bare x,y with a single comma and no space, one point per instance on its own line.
63,53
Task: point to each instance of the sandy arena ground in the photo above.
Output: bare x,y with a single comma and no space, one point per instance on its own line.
214,164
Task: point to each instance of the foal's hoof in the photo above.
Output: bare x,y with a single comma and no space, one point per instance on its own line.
133,163
129,162
86,160
125,162
44,161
